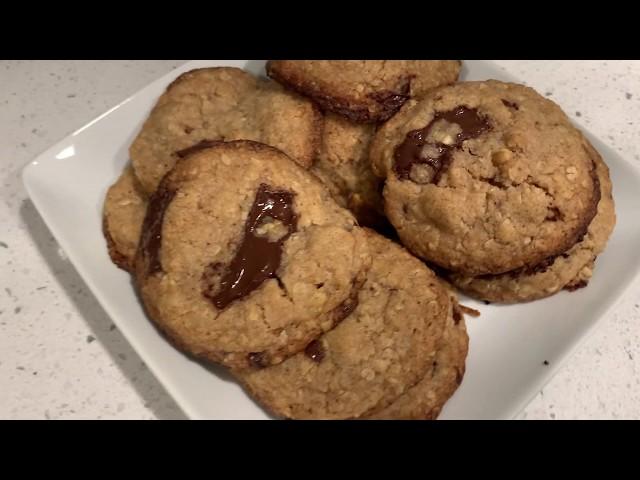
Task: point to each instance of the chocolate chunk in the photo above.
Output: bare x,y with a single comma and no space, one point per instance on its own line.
577,285
315,351
512,105
411,152
151,239
201,145
457,316
345,309
258,257
554,215
258,359
392,101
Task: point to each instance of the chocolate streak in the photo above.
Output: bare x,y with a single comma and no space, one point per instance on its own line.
410,151
257,258
151,238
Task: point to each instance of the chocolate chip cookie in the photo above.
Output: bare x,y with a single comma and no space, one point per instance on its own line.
485,177
378,352
363,90
343,166
244,258
124,208
223,103
571,269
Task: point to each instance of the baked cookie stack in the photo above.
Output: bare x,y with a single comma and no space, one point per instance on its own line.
492,183
283,229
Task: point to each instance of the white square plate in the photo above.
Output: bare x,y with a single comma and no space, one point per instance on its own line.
508,344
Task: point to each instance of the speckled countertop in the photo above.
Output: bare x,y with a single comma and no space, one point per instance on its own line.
62,358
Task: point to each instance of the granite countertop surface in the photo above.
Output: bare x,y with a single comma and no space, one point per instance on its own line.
61,357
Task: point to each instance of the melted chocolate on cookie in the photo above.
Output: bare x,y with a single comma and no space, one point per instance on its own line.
258,256
315,351
412,151
151,239
392,101
346,308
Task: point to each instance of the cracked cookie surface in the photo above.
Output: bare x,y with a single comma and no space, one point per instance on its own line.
380,350
571,269
223,103
124,208
364,91
485,177
244,257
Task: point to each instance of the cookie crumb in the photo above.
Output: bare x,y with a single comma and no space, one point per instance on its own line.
472,312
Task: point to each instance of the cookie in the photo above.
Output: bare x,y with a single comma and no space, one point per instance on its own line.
124,208
425,399
244,257
485,177
364,91
571,269
223,103
343,166
582,279
384,347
